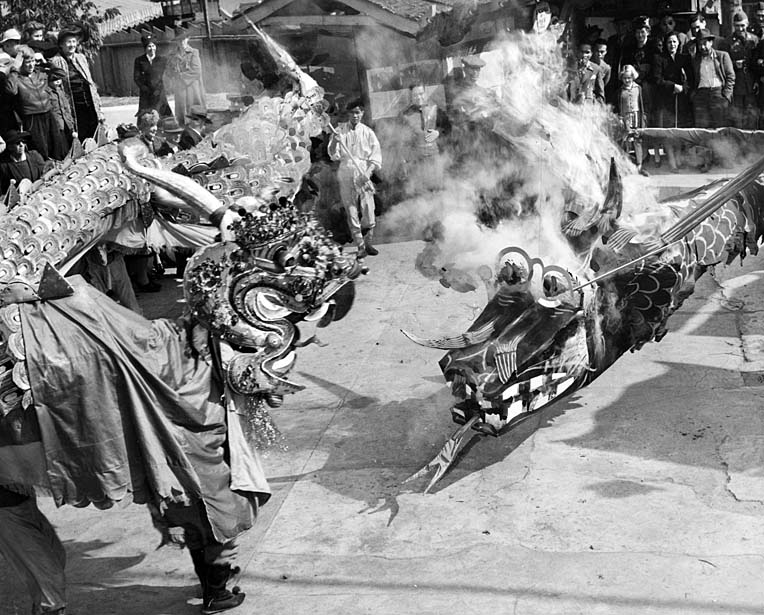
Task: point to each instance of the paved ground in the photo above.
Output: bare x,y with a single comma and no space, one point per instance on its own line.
641,494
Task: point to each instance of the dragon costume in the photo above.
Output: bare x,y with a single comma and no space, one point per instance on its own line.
614,262
99,405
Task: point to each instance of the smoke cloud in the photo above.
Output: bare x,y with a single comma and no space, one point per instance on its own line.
535,158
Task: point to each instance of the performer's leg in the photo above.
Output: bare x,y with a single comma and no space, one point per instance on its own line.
219,558
368,222
349,198
30,545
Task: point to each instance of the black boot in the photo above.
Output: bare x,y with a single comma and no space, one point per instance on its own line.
216,597
200,568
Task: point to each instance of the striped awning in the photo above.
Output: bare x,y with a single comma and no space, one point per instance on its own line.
131,13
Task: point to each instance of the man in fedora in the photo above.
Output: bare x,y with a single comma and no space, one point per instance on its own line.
715,82
196,125
17,162
170,131
714,79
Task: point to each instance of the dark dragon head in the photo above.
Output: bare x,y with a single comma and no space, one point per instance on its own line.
527,347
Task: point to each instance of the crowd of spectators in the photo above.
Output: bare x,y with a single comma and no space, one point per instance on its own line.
654,75
48,99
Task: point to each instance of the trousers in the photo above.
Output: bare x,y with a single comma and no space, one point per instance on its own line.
31,547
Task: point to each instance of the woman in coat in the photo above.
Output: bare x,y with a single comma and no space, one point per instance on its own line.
148,74
185,70
673,82
79,84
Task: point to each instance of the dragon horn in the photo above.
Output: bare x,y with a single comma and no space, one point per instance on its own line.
464,340
178,185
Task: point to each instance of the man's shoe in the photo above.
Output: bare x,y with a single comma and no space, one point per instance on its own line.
371,250
223,603
361,254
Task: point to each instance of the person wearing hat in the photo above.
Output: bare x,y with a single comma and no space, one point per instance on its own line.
756,27
61,106
17,162
148,74
462,89
697,23
29,87
196,127
184,69
714,80
170,131
79,83
9,43
741,45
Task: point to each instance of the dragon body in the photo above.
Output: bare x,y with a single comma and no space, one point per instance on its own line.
247,295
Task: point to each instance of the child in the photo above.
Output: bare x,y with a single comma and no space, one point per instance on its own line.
631,111
60,106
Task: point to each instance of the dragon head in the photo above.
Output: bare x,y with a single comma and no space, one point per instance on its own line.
526,348
280,276
277,272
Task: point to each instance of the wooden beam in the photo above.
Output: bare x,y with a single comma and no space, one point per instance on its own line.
261,11
319,20
384,17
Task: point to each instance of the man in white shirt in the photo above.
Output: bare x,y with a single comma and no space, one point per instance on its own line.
357,148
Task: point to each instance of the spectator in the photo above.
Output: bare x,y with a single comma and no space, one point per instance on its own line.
61,107
79,84
34,32
357,149
757,67
757,24
742,44
185,70
714,80
673,81
18,162
30,89
33,35
667,25
8,118
9,42
631,110
639,51
195,129
698,24
599,52
148,126
148,74
423,124
169,130
585,78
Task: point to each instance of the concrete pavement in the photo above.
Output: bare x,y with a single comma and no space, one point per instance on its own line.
642,493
